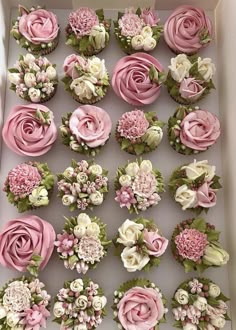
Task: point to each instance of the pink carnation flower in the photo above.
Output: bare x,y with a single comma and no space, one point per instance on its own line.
132,125
23,179
130,24
125,197
65,244
145,184
35,317
90,249
82,21
191,244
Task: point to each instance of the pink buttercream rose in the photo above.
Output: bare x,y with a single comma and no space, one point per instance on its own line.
131,80
24,237
140,308
199,130
150,17
206,196
39,26
91,125
69,65
82,21
156,244
25,133
191,89
185,28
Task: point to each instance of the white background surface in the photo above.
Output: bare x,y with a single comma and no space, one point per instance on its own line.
110,272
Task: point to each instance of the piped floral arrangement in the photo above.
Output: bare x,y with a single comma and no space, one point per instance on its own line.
190,78
138,30
195,245
199,304
139,132
88,31
29,185
80,304
132,301
138,186
33,79
194,186
83,185
24,304
140,244
83,243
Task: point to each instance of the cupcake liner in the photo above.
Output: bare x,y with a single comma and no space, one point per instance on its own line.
47,50
92,101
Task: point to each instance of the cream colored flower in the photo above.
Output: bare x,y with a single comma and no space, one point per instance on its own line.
137,42
186,197
39,197
99,36
93,229
181,296
95,169
132,169
96,198
77,285
68,200
125,180
146,31
84,87
133,260
149,44
97,68
58,309
206,68
196,169
129,233
83,220
34,94
99,303
179,68
214,290
51,72
30,79
200,304
146,166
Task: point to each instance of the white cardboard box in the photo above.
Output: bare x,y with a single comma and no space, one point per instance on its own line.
224,51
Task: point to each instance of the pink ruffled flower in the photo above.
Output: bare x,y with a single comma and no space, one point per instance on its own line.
145,184
156,244
193,314
130,24
191,89
191,244
23,179
125,197
69,65
65,244
206,196
35,317
132,125
90,249
82,21
150,17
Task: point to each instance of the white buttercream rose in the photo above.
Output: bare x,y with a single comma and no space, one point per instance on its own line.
181,296
77,285
200,303
93,229
132,169
137,42
153,136
82,177
51,72
149,44
69,171
125,180
133,260
84,87
95,169
34,94
97,68
98,36
129,233
179,68
12,319
206,68
218,322
58,309
214,290
30,79
79,231
29,58
146,31
68,200
14,78
96,198
196,169
99,303
186,197
81,302
146,166
83,220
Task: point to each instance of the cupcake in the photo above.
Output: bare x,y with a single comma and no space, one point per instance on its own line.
29,186
190,78
26,244
36,29
139,132
140,244
199,303
194,186
195,245
34,130
33,79
138,30
83,185
86,130
139,304
138,186
192,130
88,31
24,304
80,304
187,30
137,79
86,79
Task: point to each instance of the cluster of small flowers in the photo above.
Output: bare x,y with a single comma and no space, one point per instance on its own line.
33,78
80,304
24,304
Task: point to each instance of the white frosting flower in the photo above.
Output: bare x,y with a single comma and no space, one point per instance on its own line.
17,297
218,322
181,296
153,136
133,260
190,326
95,169
58,309
3,312
146,166
97,68
34,94
77,285
51,72
14,78
98,36
93,230
84,87
83,220
129,233
81,326
149,43
12,319
215,255
99,303
186,197
39,197
82,177
79,231
132,169
206,68
214,290
68,200
200,303
30,79
196,169
96,198
137,42
34,67
29,58
68,172
81,302
125,180
146,31
179,68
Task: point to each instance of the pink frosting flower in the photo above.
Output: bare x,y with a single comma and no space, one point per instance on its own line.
191,244
22,238
199,130
35,317
133,124
91,125
130,24
90,249
65,244
125,197
156,244
39,26
23,179
206,196
131,81
184,29
191,89
26,133
69,65
145,184
140,308
150,17
82,21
